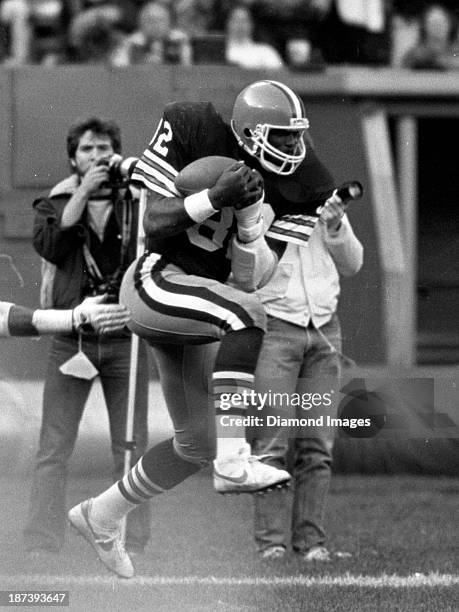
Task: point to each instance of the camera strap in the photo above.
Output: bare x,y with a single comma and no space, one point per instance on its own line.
126,228
91,264
126,225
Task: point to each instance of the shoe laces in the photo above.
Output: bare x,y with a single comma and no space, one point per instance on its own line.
253,458
106,538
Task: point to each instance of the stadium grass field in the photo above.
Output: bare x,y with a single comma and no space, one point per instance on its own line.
393,540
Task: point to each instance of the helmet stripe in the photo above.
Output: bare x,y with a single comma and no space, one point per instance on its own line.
297,107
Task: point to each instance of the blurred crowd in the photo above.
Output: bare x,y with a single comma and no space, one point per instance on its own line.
298,34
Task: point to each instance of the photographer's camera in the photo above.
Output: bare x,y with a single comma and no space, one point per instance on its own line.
119,170
109,287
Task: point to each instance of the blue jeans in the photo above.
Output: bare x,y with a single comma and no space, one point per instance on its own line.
64,399
297,360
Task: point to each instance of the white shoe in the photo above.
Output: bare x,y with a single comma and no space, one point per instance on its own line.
246,473
316,553
273,552
108,546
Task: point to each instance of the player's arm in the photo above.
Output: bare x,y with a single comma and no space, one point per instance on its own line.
254,257
167,216
20,321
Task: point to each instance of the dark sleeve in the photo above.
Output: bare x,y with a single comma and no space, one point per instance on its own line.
49,239
169,151
317,179
303,191
20,321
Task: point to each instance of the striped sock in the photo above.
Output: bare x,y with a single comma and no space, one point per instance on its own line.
158,470
111,506
232,386
231,392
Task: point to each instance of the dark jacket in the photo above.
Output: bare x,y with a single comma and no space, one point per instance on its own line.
64,247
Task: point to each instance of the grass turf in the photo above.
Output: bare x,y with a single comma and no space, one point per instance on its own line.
401,526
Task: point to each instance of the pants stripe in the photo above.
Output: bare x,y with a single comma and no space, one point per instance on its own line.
210,307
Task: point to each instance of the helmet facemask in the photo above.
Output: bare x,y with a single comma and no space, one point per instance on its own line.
256,143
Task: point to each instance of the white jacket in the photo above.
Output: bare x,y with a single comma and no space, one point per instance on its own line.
306,283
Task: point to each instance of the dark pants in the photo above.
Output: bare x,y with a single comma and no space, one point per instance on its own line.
63,404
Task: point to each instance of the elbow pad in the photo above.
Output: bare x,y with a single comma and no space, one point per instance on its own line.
252,263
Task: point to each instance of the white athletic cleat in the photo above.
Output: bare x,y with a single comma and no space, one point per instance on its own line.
108,546
246,473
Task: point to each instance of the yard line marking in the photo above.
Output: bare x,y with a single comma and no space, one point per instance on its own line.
381,581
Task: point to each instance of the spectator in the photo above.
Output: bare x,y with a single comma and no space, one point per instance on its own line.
241,49
355,33
293,19
36,30
301,55
16,29
95,39
196,17
87,228
126,10
156,41
49,21
404,29
438,47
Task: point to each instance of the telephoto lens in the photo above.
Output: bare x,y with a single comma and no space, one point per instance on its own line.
352,190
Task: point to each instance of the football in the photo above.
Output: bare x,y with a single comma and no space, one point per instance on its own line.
202,173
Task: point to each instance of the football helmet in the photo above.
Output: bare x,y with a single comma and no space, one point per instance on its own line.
264,106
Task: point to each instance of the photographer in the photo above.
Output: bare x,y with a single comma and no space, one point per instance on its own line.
86,227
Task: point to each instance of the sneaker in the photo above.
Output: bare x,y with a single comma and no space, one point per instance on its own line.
246,473
273,552
108,546
316,553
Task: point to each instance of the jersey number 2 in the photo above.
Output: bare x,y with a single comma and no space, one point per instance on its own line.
160,145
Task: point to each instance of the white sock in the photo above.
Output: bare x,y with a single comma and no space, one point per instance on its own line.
109,508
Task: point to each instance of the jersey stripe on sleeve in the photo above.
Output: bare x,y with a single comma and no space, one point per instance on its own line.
296,229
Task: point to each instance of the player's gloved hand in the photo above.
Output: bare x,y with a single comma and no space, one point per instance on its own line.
238,186
332,212
103,318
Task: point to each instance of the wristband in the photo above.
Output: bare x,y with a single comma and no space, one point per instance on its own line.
52,321
198,206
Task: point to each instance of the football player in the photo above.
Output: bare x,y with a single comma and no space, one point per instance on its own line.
181,301
21,321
